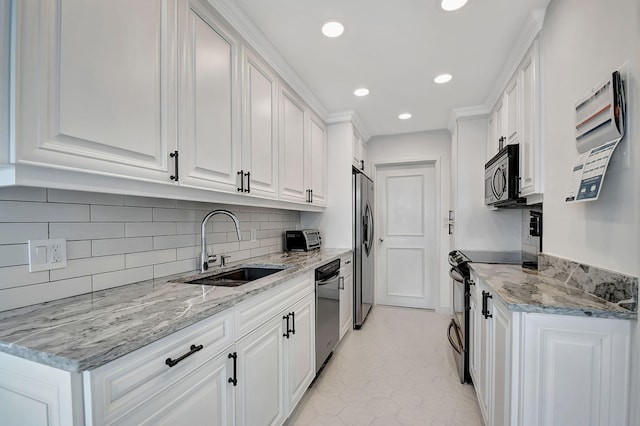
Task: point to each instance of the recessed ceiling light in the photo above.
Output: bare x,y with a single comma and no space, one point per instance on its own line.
443,78
332,29
404,116
361,92
450,5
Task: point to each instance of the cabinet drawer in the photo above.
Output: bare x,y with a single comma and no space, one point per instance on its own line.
253,312
124,384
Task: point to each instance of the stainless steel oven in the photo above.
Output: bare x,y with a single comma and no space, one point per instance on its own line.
457,330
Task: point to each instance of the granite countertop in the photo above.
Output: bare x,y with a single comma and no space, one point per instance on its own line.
527,291
84,332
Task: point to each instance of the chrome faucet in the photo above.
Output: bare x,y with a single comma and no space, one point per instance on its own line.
204,262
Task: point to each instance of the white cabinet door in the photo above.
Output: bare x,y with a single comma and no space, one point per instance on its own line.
512,112
260,367
530,140
300,358
260,127
483,385
473,350
492,137
316,161
204,395
501,366
38,395
96,92
358,159
575,371
209,148
292,146
346,297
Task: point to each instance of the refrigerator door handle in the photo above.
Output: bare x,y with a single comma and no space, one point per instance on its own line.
368,229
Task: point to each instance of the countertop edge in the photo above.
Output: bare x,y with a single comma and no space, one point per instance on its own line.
95,361
576,311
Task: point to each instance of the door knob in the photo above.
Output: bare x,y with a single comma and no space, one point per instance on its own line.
380,240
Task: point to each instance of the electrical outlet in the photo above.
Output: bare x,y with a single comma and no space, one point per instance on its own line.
253,235
47,254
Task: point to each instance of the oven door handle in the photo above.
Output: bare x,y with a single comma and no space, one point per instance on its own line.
456,275
457,347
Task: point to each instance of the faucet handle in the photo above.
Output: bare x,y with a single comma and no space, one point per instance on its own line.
223,259
211,258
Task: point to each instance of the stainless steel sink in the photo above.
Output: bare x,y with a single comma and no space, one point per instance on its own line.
236,277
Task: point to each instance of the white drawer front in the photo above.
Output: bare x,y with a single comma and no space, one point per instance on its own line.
129,381
253,312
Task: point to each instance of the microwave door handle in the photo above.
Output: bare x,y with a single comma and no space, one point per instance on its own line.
493,183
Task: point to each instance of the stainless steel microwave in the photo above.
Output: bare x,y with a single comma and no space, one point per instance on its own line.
501,178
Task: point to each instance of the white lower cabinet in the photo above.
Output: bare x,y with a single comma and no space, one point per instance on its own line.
248,365
543,369
346,295
260,387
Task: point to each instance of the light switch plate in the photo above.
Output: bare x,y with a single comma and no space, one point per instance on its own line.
45,255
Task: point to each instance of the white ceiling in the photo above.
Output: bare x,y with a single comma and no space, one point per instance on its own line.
395,48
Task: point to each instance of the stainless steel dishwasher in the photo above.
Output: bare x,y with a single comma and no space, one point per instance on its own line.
327,311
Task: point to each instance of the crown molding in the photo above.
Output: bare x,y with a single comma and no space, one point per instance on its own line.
476,111
529,32
349,117
240,22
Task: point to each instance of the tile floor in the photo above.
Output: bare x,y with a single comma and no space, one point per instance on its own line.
397,370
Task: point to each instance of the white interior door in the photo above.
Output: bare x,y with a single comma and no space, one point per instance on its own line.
407,267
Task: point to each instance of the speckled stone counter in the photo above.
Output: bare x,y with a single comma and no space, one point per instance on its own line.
86,331
527,291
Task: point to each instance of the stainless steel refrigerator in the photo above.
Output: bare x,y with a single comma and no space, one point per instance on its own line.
363,235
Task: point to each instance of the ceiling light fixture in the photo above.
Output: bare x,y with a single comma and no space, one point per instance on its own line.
451,5
404,116
443,78
361,92
332,29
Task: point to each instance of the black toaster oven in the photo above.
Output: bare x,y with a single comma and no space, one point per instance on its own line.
302,240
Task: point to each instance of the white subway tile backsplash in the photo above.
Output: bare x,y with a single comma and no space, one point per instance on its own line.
174,241
188,227
23,193
113,240
88,266
120,214
134,260
175,215
38,293
187,252
178,267
130,200
78,249
81,197
85,231
120,278
260,251
149,229
13,254
121,245
17,233
21,211
16,276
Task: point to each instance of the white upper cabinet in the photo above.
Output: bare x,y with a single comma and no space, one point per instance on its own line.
95,91
292,146
260,127
515,119
315,161
154,98
530,142
209,146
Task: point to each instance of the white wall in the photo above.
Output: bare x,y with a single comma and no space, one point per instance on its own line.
114,240
479,227
5,39
582,42
410,147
